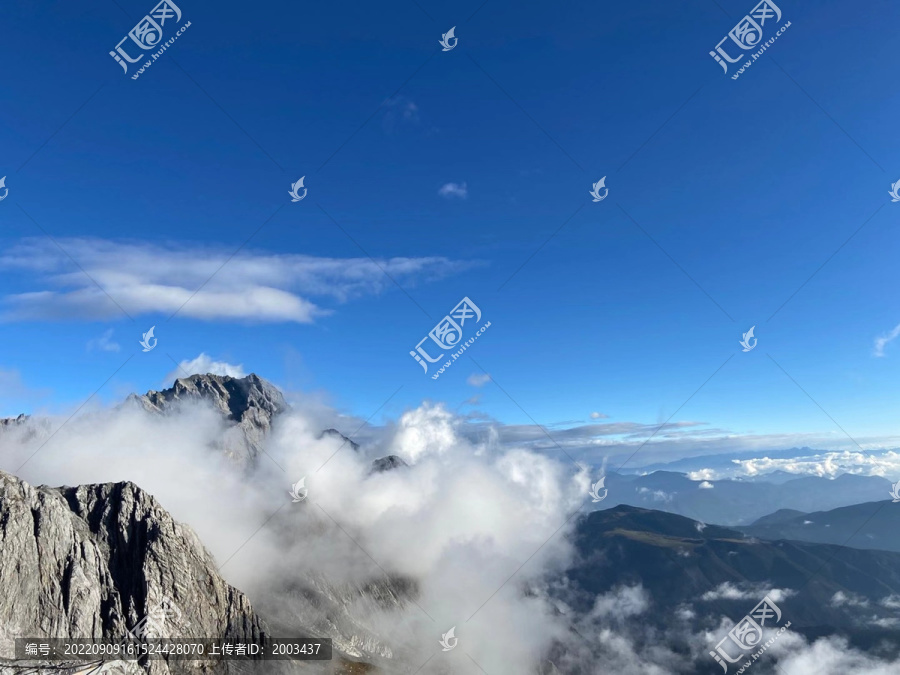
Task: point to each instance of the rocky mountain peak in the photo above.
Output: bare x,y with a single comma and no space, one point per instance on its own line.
249,403
237,398
13,421
334,433
388,463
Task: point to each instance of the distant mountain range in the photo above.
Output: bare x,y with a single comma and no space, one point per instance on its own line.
739,502
874,525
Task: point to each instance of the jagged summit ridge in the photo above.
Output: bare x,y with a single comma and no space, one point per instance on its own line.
14,421
249,403
237,398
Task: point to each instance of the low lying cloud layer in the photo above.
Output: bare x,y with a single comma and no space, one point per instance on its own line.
470,524
142,278
810,463
620,635
645,444
476,527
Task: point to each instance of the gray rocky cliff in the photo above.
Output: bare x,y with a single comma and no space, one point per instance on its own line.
91,561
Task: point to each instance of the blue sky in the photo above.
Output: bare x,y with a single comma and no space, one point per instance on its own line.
742,188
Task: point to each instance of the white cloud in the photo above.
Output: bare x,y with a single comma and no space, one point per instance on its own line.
746,591
823,463
841,599
827,656
885,622
685,613
621,603
204,364
457,522
398,111
451,190
657,495
104,343
598,416
478,379
880,342
706,485
427,430
198,282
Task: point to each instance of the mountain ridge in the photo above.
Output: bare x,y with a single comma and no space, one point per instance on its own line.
91,561
680,560
870,525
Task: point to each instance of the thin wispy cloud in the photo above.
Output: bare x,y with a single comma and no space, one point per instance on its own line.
197,281
656,443
454,191
104,343
882,341
478,379
399,110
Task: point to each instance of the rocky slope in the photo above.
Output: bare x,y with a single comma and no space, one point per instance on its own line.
871,525
93,560
685,564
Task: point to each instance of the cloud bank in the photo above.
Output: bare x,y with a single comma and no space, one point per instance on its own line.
478,527
471,524
199,282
